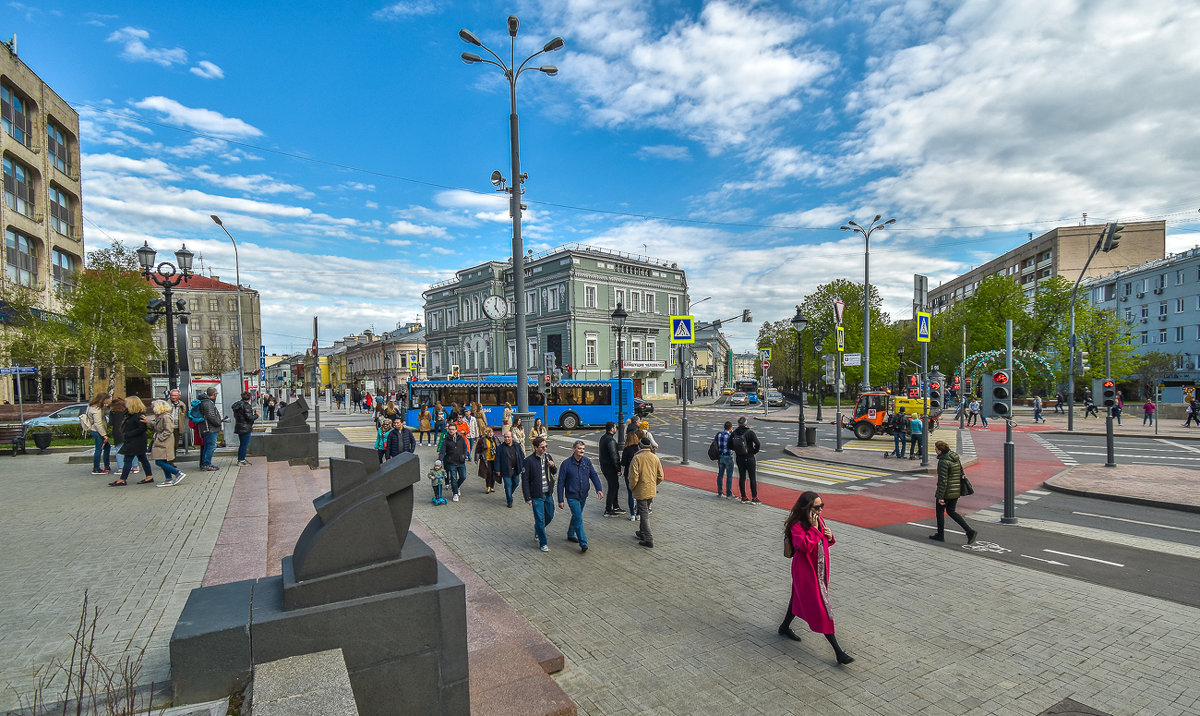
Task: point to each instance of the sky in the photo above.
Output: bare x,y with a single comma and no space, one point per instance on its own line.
348,149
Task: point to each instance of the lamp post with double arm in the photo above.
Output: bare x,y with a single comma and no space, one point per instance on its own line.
866,234
619,317
167,276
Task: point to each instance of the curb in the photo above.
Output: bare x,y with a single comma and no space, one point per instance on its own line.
1100,434
1127,499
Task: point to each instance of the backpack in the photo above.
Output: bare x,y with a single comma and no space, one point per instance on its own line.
194,414
714,450
737,443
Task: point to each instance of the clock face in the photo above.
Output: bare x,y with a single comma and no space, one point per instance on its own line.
495,307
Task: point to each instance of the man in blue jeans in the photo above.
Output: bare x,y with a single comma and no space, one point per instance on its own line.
537,485
454,455
918,437
725,461
573,478
212,426
899,423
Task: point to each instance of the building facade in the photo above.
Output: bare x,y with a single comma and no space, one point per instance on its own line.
42,208
714,360
212,328
386,361
570,294
1061,251
1160,302
745,366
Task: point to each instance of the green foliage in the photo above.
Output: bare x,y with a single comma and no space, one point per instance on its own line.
1152,368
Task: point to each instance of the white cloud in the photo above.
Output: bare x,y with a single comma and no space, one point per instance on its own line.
126,165
134,49
204,120
407,228
207,70
253,184
664,151
404,10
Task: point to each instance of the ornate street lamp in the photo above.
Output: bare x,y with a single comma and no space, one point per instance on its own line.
168,276
799,322
818,348
900,371
618,320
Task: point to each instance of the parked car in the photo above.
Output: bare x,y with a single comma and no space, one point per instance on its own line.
68,415
642,408
739,398
775,399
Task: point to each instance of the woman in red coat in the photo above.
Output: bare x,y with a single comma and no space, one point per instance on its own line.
806,542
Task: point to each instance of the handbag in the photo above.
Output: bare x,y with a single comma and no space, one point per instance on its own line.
965,486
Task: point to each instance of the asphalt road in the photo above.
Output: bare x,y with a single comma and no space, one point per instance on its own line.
1090,449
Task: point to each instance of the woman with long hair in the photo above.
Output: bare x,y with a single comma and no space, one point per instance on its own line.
162,450
518,432
537,431
425,423
116,428
806,541
135,445
94,423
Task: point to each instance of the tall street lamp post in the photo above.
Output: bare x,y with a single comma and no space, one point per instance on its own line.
237,270
866,234
818,347
168,276
618,321
799,322
900,371
511,73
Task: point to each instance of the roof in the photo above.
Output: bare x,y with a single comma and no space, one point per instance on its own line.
205,283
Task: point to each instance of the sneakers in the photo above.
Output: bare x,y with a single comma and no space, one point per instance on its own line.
971,536
644,543
455,498
937,537
243,463
545,548
105,471
573,539
582,548
756,501
745,501
618,512
609,513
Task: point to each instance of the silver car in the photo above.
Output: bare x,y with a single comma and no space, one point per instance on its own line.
739,398
775,399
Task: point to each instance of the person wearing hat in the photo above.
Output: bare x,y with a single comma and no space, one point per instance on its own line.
745,446
645,428
645,475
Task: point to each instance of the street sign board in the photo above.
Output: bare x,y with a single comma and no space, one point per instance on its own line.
19,370
764,354
413,364
841,339
262,351
852,359
766,365
683,329
922,327
839,307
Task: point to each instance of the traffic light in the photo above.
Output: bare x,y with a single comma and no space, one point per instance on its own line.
454,372
546,384
1104,392
556,377
997,394
1083,363
936,388
1112,237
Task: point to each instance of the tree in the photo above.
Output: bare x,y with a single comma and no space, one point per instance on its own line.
34,336
1152,368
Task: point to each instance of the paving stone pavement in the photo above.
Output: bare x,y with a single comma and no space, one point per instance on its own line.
689,626
137,550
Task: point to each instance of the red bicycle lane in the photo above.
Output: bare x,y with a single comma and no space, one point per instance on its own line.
910,500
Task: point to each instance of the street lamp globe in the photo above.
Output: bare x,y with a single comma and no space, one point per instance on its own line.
184,258
799,322
619,316
146,256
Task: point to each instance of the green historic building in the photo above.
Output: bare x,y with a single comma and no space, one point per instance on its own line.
570,294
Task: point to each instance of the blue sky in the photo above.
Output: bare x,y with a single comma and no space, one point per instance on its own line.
348,149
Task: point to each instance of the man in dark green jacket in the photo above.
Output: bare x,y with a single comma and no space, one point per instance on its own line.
949,489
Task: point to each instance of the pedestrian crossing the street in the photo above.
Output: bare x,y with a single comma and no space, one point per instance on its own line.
817,472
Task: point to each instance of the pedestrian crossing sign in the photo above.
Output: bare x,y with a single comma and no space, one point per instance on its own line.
764,354
841,339
683,329
922,327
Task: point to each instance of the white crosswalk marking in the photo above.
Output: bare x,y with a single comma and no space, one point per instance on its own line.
818,472
1055,450
359,434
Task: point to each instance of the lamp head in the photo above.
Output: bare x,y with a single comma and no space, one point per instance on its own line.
799,321
845,228
513,24
468,36
555,44
216,219
889,221
146,256
877,218
548,69
470,58
184,258
497,178
619,316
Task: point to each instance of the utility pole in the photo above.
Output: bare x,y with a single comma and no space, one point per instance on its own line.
1010,505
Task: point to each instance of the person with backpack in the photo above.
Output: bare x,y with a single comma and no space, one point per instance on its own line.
719,450
244,416
210,428
745,445
898,422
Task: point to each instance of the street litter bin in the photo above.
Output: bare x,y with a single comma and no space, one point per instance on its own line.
810,436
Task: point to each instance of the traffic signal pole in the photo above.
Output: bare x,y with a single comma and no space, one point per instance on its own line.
1010,498
683,393
925,394
1108,413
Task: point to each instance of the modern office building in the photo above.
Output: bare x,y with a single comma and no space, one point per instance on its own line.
570,294
212,327
41,212
1061,251
1160,302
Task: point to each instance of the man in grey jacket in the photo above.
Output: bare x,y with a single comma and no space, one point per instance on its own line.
210,429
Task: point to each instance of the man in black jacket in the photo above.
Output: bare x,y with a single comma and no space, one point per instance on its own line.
538,487
244,416
510,459
745,446
610,467
408,443
454,457
210,429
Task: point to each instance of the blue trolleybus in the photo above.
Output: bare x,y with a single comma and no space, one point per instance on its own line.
572,403
749,387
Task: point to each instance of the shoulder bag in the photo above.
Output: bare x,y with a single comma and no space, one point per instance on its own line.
965,486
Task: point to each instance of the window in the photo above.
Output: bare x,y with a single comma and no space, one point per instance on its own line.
1144,339
512,355
1179,334
62,214
1145,311
650,346
1129,315
1179,277
18,186
553,298
635,351
213,305
22,259
531,356
530,302
1179,305
1161,282
15,112
197,364
620,293
649,303
1162,335
233,305
1128,288
63,265
1162,308
194,304
589,297
635,300
195,341
214,324
56,143
589,351
435,359
214,341
673,302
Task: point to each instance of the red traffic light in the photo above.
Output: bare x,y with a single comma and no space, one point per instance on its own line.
935,386
1000,378
1108,384
913,380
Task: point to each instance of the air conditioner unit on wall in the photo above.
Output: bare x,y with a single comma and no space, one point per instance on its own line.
1162,318
1158,292
1145,319
1141,295
1124,298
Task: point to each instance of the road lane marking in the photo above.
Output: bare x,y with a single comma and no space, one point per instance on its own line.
1080,556
1189,448
1137,522
1041,493
1047,561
